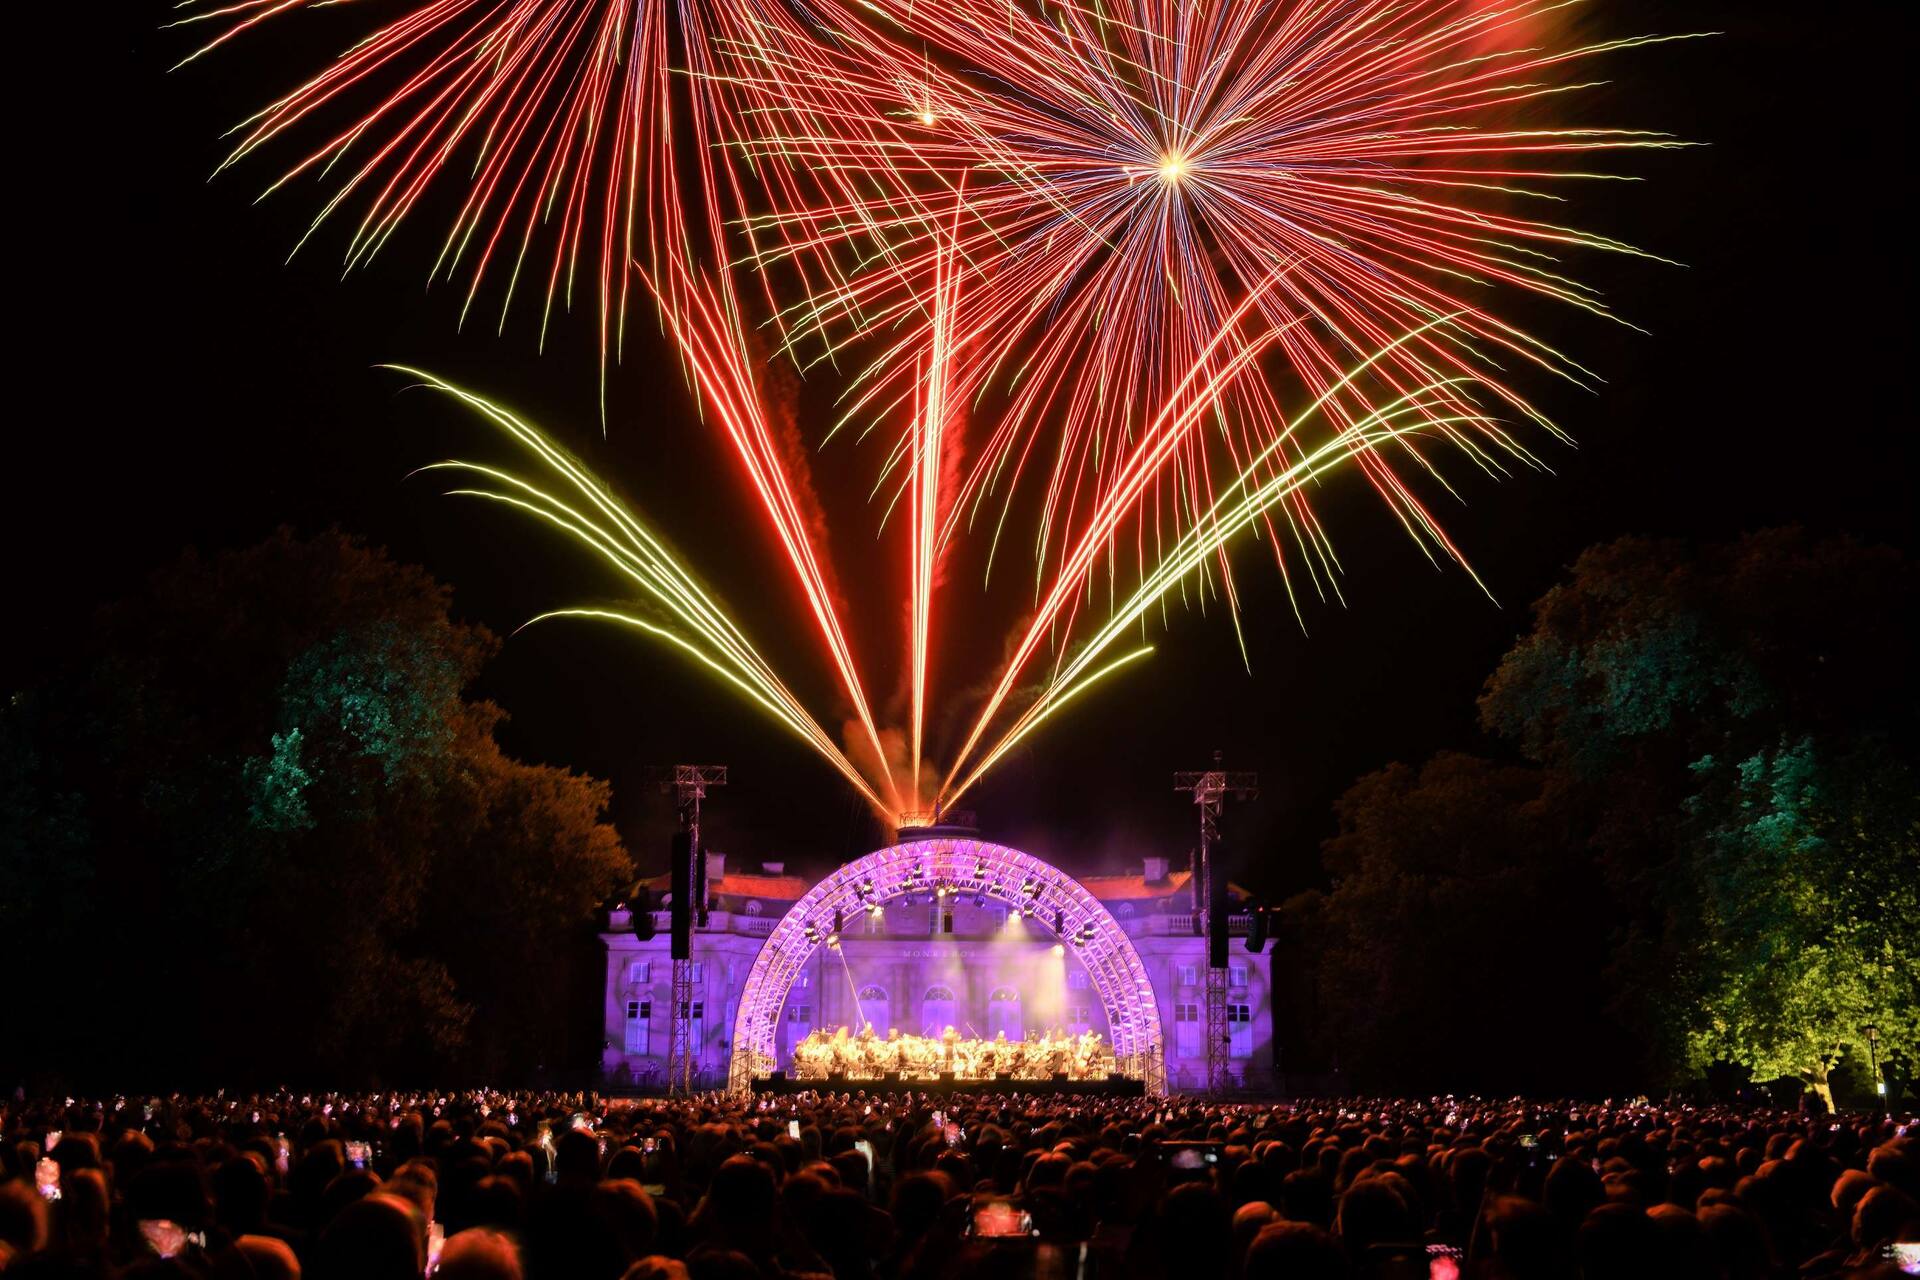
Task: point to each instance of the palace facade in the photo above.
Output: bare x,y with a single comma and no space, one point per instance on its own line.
923,964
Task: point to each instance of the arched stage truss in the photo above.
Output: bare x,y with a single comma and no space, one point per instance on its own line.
967,868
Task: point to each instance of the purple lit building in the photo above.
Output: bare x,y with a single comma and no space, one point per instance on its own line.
937,932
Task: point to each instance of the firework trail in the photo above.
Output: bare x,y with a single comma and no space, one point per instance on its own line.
694,621
1115,238
1125,174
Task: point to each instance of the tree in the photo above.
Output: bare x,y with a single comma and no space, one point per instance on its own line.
1809,875
1458,942
251,808
1741,721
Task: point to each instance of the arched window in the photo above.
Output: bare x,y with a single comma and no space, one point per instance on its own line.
875,1010
753,907
1003,1013
936,1011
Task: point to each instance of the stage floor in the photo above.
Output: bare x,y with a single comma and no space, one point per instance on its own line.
1117,1087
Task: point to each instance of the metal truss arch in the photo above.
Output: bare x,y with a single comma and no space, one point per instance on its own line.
968,868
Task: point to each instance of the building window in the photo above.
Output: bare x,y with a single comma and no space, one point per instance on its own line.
696,1011
799,1023
946,920
697,970
1237,975
1189,975
1240,1030
1186,1031
639,973
936,1010
1077,980
639,1025
1003,1014
1079,1019
875,1009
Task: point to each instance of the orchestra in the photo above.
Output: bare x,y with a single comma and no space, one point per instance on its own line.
867,1055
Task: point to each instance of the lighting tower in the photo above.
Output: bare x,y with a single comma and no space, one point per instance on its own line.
1209,789
689,783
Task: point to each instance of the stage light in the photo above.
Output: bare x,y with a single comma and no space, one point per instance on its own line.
874,908
1059,950
833,942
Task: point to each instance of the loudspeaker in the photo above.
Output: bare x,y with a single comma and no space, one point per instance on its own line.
682,882
641,917
699,860
1217,907
1257,932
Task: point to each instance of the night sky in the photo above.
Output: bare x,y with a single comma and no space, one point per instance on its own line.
198,390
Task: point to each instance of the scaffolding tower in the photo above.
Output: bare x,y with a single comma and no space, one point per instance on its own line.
689,783
1209,788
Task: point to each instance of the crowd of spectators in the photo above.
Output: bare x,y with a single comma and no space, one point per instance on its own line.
491,1186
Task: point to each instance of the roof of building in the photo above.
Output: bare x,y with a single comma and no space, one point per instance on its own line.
780,888
1135,885
790,888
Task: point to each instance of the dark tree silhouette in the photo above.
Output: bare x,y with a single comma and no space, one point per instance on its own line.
254,830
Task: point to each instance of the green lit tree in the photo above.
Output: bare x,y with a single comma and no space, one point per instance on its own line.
1808,871
1742,724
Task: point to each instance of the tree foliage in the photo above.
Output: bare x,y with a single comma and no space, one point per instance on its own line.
1708,859
1808,869
1741,721
1457,939
253,822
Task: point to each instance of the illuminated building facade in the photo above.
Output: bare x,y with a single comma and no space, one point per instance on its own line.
932,934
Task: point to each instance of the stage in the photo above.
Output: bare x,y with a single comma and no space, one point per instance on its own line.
1111,1087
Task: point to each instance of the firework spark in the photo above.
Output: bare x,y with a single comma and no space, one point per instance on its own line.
690,618
1127,174
1171,262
